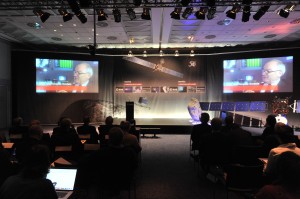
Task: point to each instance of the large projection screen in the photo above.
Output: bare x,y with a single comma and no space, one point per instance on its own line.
66,76
258,75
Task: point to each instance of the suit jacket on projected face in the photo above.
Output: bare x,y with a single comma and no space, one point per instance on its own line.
92,87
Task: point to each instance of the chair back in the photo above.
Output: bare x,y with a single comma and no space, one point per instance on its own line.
244,178
247,154
91,147
84,136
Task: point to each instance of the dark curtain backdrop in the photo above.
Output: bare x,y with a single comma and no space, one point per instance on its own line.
113,71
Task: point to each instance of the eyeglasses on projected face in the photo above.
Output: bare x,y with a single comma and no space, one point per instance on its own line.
269,71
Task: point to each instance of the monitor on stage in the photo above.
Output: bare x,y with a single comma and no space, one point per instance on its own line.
66,76
258,75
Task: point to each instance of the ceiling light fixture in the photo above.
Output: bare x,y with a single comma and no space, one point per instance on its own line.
161,53
117,15
246,13
211,12
176,53
262,10
192,54
235,9
200,14
187,12
66,15
146,14
176,13
285,12
43,15
75,8
130,54
145,53
131,13
102,16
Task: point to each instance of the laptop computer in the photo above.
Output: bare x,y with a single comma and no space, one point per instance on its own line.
63,180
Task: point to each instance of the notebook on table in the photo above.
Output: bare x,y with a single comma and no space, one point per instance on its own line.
63,180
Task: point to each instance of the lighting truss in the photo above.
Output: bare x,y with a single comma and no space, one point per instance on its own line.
55,4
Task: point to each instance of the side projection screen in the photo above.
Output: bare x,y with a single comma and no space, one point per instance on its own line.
258,75
66,76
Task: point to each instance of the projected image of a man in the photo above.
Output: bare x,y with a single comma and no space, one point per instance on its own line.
272,72
82,74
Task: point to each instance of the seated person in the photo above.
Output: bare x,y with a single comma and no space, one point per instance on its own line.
104,130
45,136
18,128
286,184
86,128
35,135
5,164
66,135
31,182
199,131
287,144
129,139
111,167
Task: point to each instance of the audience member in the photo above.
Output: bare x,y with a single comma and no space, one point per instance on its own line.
35,135
215,147
86,128
111,167
129,139
45,136
286,185
5,164
66,135
31,182
104,130
287,144
18,128
199,131
270,127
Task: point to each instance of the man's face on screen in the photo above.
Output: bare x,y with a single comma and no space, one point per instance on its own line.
81,76
271,72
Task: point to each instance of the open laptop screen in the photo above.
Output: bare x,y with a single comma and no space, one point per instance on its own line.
62,179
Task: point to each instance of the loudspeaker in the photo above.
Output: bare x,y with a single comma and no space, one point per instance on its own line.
129,111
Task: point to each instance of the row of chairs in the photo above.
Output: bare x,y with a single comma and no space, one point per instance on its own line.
244,175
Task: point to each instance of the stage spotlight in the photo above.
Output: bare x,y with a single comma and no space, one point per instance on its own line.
117,15
262,10
131,13
81,17
66,15
176,53
211,12
137,2
75,8
187,12
146,14
176,13
185,2
246,13
200,14
285,12
102,16
43,15
232,13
